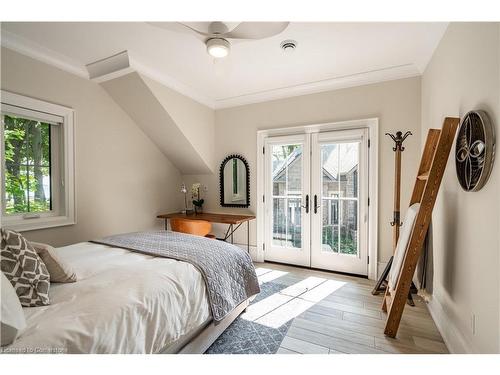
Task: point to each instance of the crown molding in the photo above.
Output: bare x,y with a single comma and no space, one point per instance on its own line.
336,83
34,50
173,84
48,56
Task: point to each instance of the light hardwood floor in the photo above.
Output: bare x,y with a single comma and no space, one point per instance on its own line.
337,314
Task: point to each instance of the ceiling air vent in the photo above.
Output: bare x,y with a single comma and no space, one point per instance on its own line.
288,45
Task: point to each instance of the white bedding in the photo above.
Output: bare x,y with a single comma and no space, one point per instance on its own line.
123,302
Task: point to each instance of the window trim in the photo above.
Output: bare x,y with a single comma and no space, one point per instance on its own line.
67,215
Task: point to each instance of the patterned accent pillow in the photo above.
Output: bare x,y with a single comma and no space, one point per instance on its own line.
24,269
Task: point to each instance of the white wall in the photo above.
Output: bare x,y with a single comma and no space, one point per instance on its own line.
395,103
462,75
114,192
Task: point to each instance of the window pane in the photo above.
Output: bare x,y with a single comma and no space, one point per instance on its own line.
330,238
340,193
287,195
38,143
287,227
349,227
39,195
16,199
287,169
279,222
330,167
15,138
348,168
27,165
294,223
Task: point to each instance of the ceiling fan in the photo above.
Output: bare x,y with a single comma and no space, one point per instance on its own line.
215,35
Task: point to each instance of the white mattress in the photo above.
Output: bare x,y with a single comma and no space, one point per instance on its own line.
123,302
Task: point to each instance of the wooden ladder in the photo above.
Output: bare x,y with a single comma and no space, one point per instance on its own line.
430,173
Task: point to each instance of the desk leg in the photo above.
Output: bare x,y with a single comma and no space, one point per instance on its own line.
166,224
232,231
248,236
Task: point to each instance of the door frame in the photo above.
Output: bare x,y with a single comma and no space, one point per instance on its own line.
372,125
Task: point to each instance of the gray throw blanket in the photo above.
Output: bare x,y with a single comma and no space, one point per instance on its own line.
228,271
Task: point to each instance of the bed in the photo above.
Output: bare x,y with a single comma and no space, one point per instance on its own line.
123,302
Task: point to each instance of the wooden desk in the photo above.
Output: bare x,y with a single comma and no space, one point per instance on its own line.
229,219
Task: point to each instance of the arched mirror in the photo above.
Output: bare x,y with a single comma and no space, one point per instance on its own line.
234,182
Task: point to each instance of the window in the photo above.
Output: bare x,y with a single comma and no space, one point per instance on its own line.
37,163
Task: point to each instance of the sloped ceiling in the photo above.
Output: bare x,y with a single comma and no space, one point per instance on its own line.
135,96
196,121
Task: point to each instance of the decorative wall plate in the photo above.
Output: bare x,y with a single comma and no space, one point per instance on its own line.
474,150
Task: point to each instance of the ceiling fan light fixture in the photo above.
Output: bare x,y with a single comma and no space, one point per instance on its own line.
218,47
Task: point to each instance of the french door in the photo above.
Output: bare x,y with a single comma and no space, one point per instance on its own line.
287,202
316,200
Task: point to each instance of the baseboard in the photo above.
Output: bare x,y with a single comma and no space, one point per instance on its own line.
452,337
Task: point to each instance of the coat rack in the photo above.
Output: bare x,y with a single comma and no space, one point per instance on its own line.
398,148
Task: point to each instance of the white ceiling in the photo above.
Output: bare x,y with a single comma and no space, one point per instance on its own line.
328,56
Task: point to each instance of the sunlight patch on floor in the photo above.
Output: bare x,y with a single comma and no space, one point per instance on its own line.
261,270
257,310
281,307
303,286
285,313
270,276
322,291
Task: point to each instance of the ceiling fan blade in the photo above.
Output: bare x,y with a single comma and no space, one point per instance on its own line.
256,30
181,28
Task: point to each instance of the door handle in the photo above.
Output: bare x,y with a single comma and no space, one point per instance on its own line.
315,204
307,204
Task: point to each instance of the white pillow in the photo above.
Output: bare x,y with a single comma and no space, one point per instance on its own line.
401,247
12,315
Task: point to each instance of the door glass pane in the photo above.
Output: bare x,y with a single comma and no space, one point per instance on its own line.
330,225
279,221
339,197
330,169
287,195
349,227
348,169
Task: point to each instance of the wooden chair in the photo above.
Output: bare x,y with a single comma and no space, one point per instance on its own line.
190,226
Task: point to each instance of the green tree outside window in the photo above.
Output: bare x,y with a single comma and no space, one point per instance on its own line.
27,165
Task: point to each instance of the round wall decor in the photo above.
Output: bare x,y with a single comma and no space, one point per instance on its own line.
474,150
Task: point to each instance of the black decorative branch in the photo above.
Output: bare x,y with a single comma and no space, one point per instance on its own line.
398,139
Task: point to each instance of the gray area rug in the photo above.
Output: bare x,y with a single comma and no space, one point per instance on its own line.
245,337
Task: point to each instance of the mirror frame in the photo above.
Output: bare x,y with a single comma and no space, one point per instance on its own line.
221,181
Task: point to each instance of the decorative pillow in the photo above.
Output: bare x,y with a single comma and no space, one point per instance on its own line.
13,320
24,269
59,271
